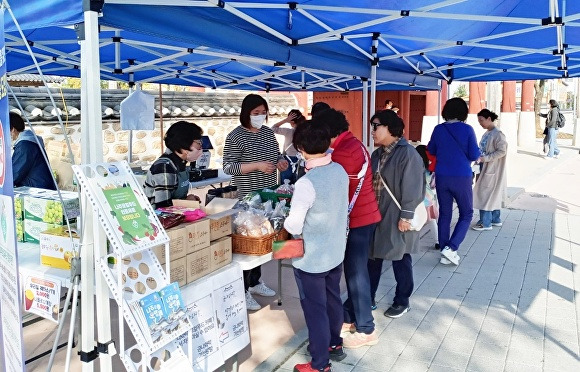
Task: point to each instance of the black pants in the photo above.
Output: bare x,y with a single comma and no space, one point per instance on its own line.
252,277
403,270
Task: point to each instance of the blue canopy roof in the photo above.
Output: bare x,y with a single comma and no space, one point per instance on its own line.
315,44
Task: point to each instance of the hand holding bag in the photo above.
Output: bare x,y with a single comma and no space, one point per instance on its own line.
292,248
420,215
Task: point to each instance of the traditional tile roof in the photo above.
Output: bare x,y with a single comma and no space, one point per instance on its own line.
37,105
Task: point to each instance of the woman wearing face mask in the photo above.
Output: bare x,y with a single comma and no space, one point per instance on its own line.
168,177
251,155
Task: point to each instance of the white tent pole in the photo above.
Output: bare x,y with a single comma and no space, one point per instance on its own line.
375,62
365,112
93,289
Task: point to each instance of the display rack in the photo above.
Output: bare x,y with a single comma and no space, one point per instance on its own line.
132,228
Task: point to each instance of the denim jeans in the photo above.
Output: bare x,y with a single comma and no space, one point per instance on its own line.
357,307
552,136
488,217
289,173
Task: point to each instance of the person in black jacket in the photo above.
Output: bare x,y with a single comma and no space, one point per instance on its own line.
29,162
552,130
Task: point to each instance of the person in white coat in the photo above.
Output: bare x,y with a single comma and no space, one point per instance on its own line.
490,186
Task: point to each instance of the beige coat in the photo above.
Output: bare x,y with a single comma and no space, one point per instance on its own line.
490,187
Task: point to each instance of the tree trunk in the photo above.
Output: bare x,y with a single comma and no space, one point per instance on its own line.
538,97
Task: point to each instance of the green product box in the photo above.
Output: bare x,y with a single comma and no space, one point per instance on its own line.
47,207
32,230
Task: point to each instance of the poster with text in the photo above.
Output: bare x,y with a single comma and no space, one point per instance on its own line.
11,351
125,212
230,305
42,295
206,355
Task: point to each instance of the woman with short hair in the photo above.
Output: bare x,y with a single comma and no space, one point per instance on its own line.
168,176
455,146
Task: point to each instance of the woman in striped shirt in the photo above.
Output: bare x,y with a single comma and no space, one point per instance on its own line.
251,156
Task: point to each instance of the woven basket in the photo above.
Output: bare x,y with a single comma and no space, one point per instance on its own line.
257,246
282,235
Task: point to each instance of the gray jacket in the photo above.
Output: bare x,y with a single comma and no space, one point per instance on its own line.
552,117
404,173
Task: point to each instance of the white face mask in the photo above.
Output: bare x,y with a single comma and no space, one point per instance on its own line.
193,155
257,121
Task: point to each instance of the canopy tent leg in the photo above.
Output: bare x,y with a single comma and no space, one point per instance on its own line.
365,113
375,62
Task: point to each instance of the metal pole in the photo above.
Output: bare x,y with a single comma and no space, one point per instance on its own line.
365,113
374,65
161,118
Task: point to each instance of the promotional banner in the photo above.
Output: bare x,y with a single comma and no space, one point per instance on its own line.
11,351
42,295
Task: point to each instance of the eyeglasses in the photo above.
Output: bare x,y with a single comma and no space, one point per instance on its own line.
375,125
198,144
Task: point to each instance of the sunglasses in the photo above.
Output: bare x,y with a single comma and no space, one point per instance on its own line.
375,125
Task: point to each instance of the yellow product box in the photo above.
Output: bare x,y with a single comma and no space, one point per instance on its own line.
32,230
56,247
177,271
20,230
47,207
221,252
177,245
198,264
197,235
18,204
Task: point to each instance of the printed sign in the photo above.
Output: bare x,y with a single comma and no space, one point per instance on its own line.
42,296
11,351
133,222
217,308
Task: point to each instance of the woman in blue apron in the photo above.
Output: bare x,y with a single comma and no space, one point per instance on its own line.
168,177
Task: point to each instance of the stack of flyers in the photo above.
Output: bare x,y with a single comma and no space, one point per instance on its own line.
174,307
161,313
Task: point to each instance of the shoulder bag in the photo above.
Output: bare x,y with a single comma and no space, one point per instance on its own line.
420,215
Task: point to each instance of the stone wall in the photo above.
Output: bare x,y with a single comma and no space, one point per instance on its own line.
146,143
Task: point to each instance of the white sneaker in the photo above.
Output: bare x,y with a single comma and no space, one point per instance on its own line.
262,290
445,261
451,255
557,156
251,303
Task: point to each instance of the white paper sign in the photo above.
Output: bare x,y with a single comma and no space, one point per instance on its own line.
219,317
10,324
232,318
42,295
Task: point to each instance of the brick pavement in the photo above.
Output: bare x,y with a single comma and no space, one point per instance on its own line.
512,303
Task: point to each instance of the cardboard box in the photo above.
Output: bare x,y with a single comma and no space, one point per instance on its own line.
220,213
198,264
32,230
221,252
177,245
220,225
47,207
197,235
177,271
57,249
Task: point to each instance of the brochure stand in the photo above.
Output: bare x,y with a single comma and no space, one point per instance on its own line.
129,268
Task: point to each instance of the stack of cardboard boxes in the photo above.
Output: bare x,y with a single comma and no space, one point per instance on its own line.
198,248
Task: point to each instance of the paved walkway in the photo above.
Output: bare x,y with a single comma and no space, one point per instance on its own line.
511,304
